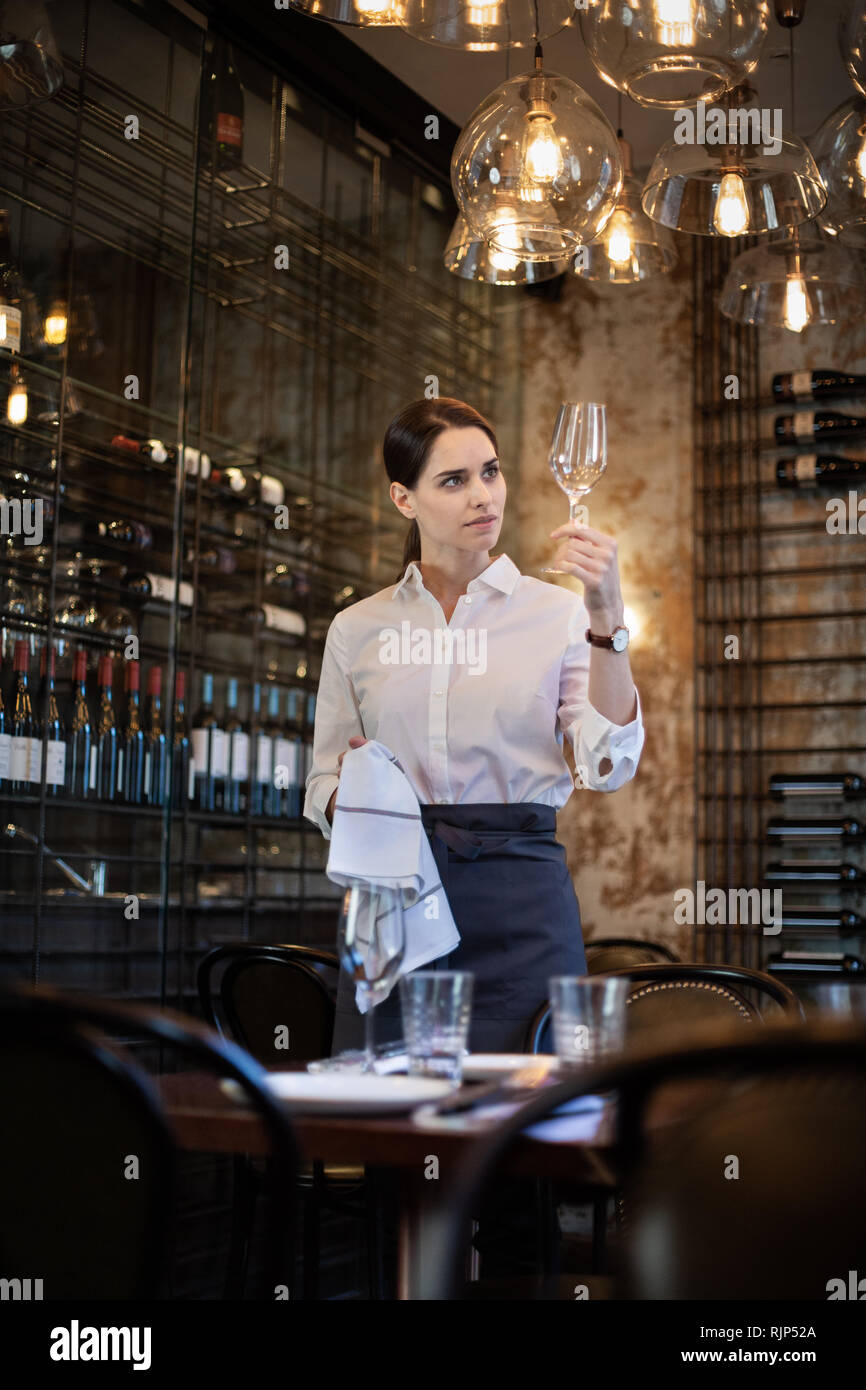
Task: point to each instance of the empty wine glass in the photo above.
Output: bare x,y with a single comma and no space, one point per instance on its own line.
371,940
578,454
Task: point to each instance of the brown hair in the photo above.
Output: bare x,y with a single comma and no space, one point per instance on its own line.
408,441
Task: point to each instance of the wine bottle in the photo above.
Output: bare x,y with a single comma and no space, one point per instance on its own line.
5,748
80,741
286,760
784,784
274,803
824,470
130,768
247,486
158,587
155,783
267,615
132,535
236,784
10,290
809,962
221,110
26,745
209,751
813,871
52,729
817,828
183,766
262,757
293,799
816,384
308,742
214,557
816,424
104,775
153,449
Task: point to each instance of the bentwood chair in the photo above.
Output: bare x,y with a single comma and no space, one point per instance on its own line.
276,1001
788,1103
605,953
77,1109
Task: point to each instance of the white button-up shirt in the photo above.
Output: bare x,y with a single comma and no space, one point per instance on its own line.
475,709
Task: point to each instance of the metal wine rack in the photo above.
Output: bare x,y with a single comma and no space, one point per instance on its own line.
792,699
275,314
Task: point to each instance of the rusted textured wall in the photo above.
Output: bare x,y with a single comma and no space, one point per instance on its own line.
630,347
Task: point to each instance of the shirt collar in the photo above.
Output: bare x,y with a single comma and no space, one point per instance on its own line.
502,574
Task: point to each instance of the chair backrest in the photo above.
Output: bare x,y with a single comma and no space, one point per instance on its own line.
666,995
758,1062
88,1167
612,952
272,1001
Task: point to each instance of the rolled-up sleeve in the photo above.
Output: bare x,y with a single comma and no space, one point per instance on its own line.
594,737
338,719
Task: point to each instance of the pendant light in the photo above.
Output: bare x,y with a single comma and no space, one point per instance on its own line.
852,42
360,13
537,170
839,147
474,259
31,68
631,247
794,282
673,53
482,28
739,178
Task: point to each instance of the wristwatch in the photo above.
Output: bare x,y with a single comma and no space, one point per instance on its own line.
617,640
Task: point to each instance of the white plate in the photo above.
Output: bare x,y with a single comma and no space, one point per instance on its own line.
481,1066
342,1093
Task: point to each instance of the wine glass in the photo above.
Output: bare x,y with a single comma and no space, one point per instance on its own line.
371,940
578,454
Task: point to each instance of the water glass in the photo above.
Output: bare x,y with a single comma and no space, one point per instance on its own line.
436,1007
588,1018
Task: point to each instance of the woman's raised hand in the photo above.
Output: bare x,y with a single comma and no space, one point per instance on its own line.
355,742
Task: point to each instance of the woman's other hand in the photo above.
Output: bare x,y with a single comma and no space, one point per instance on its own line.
354,742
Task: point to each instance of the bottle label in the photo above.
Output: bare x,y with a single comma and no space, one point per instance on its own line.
10,327
146,773
158,451
35,768
286,755
92,780
272,490
230,129
163,588
240,749
55,767
263,759
219,751
805,468
804,424
283,620
120,769
235,479
801,385
190,791
5,756
195,462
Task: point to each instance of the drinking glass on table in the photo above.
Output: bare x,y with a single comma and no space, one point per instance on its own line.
578,454
589,1014
436,1006
371,939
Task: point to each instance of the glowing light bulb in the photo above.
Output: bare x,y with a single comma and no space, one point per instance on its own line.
675,23
797,311
731,217
372,7
861,161
55,326
542,155
16,405
484,16
619,242
502,254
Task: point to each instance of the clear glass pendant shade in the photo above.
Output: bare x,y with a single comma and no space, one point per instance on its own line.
674,52
31,68
482,28
852,41
537,170
361,13
793,283
733,189
839,147
472,259
631,247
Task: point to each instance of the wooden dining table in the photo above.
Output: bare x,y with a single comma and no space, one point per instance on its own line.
205,1119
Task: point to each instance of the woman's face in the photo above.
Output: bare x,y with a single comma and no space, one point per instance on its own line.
461,481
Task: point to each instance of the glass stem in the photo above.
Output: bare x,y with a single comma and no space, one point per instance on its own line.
368,1039
574,502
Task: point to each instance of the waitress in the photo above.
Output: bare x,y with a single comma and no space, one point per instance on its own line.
479,734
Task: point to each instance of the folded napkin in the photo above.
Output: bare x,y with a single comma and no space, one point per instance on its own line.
378,838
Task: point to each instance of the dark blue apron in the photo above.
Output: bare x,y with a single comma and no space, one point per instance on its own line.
511,895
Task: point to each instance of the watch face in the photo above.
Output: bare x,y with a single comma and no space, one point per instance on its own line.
620,639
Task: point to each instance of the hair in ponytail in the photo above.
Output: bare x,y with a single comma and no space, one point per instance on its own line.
408,441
